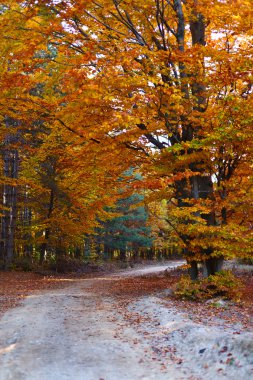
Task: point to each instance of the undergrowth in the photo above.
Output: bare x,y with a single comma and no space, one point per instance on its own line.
223,284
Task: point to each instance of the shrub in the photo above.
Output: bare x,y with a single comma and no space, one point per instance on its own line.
71,265
22,264
223,284
67,265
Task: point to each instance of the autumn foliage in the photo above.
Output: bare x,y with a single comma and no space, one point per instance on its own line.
223,284
90,89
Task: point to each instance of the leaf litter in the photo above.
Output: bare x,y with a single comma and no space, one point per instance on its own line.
177,332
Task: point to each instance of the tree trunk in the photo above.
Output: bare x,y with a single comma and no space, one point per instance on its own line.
87,247
193,270
150,253
43,247
214,265
201,186
108,252
122,254
10,158
77,252
26,224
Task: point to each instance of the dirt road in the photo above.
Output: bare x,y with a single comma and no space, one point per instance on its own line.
81,333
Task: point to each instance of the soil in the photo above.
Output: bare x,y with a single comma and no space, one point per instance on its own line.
122,326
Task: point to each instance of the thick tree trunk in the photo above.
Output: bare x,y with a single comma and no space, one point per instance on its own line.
201,186
183,193
214,265
193,270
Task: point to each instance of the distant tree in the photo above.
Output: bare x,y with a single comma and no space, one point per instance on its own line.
128,231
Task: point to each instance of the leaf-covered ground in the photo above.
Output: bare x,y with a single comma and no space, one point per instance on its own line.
209,313
69,325
15,286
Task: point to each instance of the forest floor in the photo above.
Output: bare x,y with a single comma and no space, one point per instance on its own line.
123,325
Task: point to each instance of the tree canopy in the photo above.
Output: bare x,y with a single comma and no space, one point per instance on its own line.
92,88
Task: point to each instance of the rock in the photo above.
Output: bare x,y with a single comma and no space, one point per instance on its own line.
168,292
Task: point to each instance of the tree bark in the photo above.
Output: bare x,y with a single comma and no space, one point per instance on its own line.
122,254
201,185
11,163
43,247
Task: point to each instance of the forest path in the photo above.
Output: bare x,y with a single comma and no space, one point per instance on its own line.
82,332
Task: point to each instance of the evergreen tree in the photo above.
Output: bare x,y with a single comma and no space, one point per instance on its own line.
128,231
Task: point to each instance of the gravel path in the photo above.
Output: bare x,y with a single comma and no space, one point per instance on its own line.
77,333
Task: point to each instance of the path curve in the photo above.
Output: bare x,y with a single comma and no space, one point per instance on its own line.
77,333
